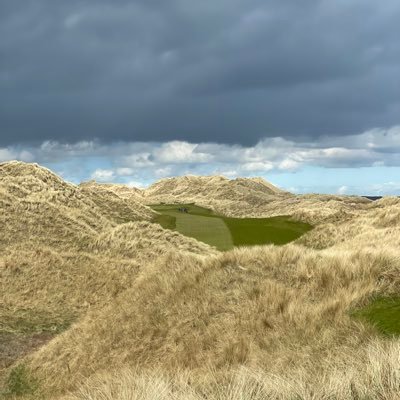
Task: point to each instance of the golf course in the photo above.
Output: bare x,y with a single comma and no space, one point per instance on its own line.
225,232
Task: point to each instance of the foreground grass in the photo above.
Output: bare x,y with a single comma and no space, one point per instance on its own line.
281,309
225,232
364,375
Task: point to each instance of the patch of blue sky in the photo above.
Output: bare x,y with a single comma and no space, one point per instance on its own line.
378,180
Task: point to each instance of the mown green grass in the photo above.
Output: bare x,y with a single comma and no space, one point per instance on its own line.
383,313
225,232
256,231
166,221
208,230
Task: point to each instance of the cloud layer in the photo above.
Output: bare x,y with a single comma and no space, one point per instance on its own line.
139,163
232,72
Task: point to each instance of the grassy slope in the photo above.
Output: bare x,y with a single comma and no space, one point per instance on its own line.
63,251
246,198
284,309
225,232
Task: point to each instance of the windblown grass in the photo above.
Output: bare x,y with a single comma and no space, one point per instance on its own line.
252,198
268,308
54,264
100,303
372,373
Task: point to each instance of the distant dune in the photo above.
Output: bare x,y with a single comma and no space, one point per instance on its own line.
242,197
98,302
216,187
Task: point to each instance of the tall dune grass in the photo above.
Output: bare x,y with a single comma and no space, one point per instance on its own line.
370,373
156,315
268,308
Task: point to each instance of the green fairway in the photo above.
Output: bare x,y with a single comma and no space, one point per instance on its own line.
225,232
209,230
384,313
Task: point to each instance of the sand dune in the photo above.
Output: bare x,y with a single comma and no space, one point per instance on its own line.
132,311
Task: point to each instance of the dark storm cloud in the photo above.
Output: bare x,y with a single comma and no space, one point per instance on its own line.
223,71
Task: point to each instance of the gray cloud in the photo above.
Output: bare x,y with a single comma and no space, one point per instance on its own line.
151,160
224,71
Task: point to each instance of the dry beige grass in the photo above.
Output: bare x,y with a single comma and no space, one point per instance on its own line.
252,198
122,202
54,265
217,187
124,191
268,308
372,373
377,226
144,239
37,206
161,316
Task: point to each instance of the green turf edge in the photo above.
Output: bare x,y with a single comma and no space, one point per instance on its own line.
166,221
383,312
212,231
259,231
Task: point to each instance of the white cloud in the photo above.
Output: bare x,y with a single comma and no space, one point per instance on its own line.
343,190
147,161
385,188
125,171
376,140
136,184
6,155
139,160
163,172
26,156
82,147
103,175
376,147
229,174
180,152
288,165
257,166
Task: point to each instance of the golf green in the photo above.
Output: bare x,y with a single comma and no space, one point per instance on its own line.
226,232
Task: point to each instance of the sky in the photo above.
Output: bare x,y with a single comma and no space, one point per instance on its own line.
303,93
